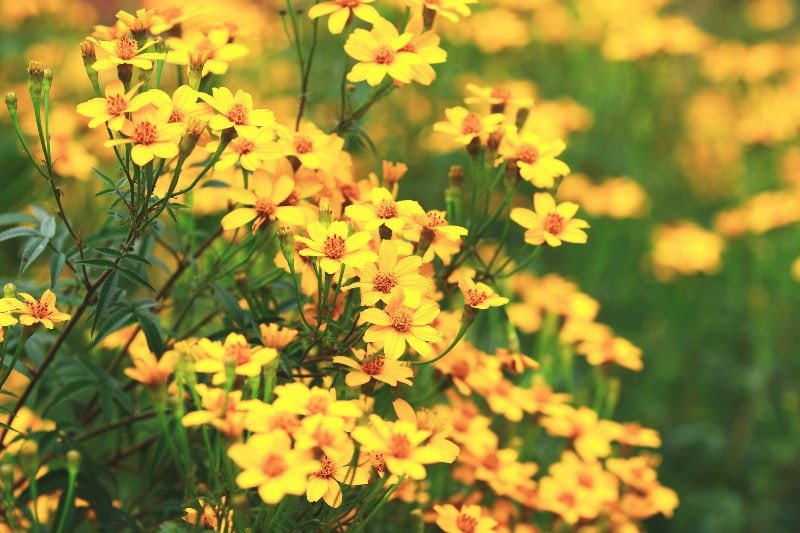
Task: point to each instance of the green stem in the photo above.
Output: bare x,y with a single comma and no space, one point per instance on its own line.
461,332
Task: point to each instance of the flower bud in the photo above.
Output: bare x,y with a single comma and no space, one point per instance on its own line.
428,16
9,290
197,62
73,461
7,476
456,176
385,232
325,212
125,73
240,503
493,143
35,78
87,53
474,147
425,239
11,102
47,81
194,129
29,458
286,240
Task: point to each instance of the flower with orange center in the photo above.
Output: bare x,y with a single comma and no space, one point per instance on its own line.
335,469
464,125
380,281
42,311
216,45
266,197
275,336
210,516
125,51
434,420
247,360
150,371
298,398
633,434
424,44
399,324
315,149
7,306
169,17
606,348
236,111
550,223
438,237
535,157
185,105
333,247
341,11
139,22
479,295
384,210
467,519
151,135
449,9
380,52
400,443
250,149
112,108
368,366
499,98
222,409
269,462
591,436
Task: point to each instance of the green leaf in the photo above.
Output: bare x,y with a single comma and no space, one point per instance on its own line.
19,231
48,227
108,251
105,178
33,248
106,293
57,261
130,275
7,219
151,331
97,263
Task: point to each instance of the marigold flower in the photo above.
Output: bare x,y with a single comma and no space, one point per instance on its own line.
497,97
591,437
315,149
249,149
383,210
381,280
467,519
400,444
224,410
334,470
632,434
534,157
113,107
341,11
380,52
274,336
465,125
434,420
150,371
399,324
550,223
185,105
298,398
334,248
265,198
248,360
216,45
125,51
270,463
42,311
210,516
479,295
378,367
449,9
424,44
236,111
151,135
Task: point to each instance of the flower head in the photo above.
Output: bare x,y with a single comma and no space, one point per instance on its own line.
42,311
464,125
380,52
550,223
151,134
112,108
125,51
535,158
235,110
266,200
380,281
467,519
479,295
341,11
334,247
400,324
369,366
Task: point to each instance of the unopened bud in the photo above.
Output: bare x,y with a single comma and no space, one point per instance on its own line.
7,476
9,290
87,53
197,62
194,128
73,461
325,212
493,143
511,174
286,240
11,102
428,16
47,81
522,117
35,78
425,239
385,232
227,135
29,458
474,147
240,504
456,176
125,73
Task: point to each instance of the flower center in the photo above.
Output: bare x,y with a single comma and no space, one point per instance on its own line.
401,319
145,133
39,309
302,145
237,114
273,465
242,146
127,48
567,498
265,208
386,209
501,94
471,124
528,154
327,468
334,247
317,404
376,459
466,523
349,3
239,353
385,282
435,220
409,48
475,297
384,55
399,446
373,367
116,104
177,115
553,223
460,369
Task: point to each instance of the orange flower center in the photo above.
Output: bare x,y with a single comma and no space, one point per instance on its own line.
435,220
317,404
384,55
302,145
475,297
501,94
38,309
273,465
586,480
177,115
373,367
402,320
567,498
472,124
491,462
127,48
553,223
460,369
385,282
528,154
399,446
349,3
386,209
240,353
466,523
265,208
116,104
327,468
237,114
145,133
409,48
376,459
242,146
334,247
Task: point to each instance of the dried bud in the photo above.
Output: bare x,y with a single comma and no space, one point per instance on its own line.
385,232
425,239
428,16
474,147
325,212
11,102
511,174
522,117
87,53
35,78
493,143
456,176
125,73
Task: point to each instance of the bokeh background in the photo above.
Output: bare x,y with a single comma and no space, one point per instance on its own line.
681,120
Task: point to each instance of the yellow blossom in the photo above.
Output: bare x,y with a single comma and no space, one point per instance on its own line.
400,324
112,108
380,52
334,247
341,11
368,366
550,223
42,311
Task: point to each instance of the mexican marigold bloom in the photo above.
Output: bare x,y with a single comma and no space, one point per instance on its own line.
167,18
565,499
610,349
535,157
112,108
151,135
368,366
632,434
334,470
216,46
479,295
138,22
269,462
247,360
497,97
380,281
249,149
7,306
436,236
383,210
333,247
185,105
276,337
264,198
312,147
125,51
42,311
452,10
400,444
550,223
341,11
399,324
686,249
236,111
150,371
467,519
300,399
380,52
591,437
464,125
224,410
433,420
425,44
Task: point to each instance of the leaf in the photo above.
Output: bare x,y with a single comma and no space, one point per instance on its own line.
57,261
116,321
19,231
7,219
106,293
97,263
33,248
68,390
151,331
108,251
130,275
105,178
48,227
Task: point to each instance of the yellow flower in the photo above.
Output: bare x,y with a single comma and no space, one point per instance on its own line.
42,311
274,336
535,158
383,210
400,444
270,463
479,295
465,125
248,360
467,519
139,22
449,9
368,366
151,135
380,281
150,371
379,52
334,248
216,45
315,149
497,97
235,111
250,149
591,437
125,51
113,107
265,196
185,104
298,398
399,324
341,11
424,44
441,238
335,469
224,410
434,421
550,223
210,516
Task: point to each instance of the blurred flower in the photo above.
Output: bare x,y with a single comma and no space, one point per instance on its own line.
378,52
341,11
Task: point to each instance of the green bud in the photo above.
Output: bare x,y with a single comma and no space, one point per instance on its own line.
47,82
73,461
29,458
286,240
325,212
9,290
35,79
11,102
